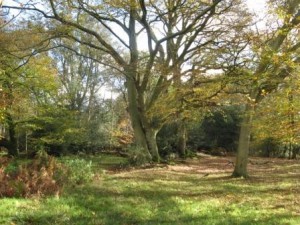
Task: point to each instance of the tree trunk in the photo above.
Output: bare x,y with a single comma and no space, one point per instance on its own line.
240,169
295,152
135,116
152,144
181,141
12,146
144,134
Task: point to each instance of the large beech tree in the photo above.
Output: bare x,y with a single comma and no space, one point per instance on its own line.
276,59
152,43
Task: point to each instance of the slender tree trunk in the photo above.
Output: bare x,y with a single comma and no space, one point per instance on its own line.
290,150
285,151
295,152
12,147
181,126
181,141
26,143
240,169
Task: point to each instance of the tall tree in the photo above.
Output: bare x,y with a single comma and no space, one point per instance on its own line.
277,119
81,78
18,70
275,60
171,32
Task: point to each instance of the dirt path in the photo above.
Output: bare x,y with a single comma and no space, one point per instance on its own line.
260,169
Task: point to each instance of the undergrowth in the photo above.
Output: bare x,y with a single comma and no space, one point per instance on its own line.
198,191
42,176
39,177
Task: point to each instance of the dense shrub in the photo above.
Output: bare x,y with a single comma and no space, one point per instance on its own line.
79,171
268,147
137,156
167,139
218,130
42,176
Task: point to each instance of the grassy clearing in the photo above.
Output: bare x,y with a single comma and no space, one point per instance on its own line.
196,192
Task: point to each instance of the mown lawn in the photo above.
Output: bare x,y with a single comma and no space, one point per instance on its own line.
198,191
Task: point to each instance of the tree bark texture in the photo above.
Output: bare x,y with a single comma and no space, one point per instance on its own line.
152,144
181,141
144,134
241,163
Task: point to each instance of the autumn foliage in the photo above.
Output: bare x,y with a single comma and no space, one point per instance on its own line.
40,177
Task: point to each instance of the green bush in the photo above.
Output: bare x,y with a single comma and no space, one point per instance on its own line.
12,168
218,129
268,147
137,156
167,140
80,171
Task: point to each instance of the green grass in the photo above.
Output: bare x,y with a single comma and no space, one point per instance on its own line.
101,161
178,194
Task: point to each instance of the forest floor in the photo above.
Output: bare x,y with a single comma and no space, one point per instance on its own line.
195,191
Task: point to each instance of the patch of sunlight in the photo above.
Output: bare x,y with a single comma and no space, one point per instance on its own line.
193,208
12,208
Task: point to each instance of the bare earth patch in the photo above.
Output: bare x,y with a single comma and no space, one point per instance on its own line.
274,184
267,169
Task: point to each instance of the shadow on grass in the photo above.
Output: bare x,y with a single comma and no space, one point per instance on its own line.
110,206
163,196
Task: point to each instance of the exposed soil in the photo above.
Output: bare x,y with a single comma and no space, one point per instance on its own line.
260,169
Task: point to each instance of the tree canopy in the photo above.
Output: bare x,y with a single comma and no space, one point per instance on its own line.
171,61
